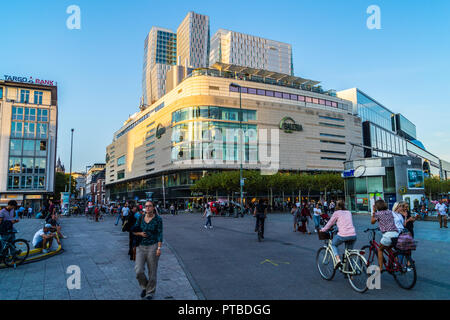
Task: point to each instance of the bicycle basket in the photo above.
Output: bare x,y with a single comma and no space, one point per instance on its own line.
324,235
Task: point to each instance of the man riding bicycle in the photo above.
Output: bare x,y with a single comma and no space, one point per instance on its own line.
386,222
346,231
260,213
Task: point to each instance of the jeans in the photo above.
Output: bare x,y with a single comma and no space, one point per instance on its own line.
316,221
338,240
117,220
146,255
208,221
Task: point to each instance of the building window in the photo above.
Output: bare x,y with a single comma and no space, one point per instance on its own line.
38,97
150,157
332,142
15,147
42,115
331,125
41,131
336,159
24,96
121,174
120,161
16,129
331,135
331,118
1,92
17,113
332,151
30,114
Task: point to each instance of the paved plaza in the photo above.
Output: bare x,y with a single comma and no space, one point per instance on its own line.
226,262
100,250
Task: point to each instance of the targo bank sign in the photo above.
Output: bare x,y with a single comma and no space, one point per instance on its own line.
29,80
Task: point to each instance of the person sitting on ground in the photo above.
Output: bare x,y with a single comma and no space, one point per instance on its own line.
423,212
43,237
346,234
385,219
55,226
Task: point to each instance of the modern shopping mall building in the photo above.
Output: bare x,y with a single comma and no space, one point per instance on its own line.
193,129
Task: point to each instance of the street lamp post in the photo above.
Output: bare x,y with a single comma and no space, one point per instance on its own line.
70,175
240,149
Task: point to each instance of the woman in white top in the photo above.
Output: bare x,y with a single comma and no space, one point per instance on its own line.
399,220
316,216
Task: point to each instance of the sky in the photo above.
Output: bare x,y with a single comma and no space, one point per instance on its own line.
405,65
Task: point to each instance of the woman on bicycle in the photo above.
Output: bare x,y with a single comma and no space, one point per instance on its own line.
386,222
346,231
399,219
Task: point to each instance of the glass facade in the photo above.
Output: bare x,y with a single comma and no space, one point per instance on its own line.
27,164
386,142
211,112
166,48
370,110
405,127
218,140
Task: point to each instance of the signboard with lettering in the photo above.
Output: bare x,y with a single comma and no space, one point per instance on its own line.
288,125
29,80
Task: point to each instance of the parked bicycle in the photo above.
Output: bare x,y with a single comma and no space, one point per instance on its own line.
353,266
397,262
14,253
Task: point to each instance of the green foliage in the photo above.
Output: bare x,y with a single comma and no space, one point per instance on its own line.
228,182
62,184
434,187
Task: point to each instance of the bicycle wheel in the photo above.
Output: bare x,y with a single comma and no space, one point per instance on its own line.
16,252
405,275
325,263
358,278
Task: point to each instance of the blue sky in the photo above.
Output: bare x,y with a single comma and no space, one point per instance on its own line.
404,65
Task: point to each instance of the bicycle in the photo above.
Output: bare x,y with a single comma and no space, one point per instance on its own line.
398,263
353,265
259,228
14,253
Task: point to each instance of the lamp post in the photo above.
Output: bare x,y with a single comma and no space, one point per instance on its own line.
70,175
241,181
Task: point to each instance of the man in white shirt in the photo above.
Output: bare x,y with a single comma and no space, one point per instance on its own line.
125,211
42,237
441,209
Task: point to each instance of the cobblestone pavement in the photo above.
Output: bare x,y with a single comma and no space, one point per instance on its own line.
100,250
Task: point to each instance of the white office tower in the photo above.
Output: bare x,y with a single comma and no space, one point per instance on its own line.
245,50
159,55
193,41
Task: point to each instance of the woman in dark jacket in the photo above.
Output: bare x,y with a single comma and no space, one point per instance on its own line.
304,214
131,221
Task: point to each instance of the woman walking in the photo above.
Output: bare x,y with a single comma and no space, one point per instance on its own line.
149,249
208,215
304,218
296,216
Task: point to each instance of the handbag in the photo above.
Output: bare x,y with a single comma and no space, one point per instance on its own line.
125,226
406,242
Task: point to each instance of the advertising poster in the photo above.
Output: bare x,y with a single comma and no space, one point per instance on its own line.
415,179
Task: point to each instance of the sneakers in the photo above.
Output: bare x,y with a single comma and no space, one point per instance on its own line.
210,227
206,227
143,293
64,237
149,297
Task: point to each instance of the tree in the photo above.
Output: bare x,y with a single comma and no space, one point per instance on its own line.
62,184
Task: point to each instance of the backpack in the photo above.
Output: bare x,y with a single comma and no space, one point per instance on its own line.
406,242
